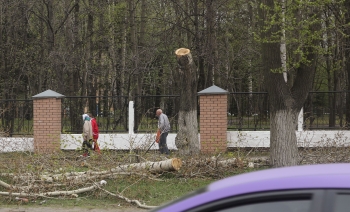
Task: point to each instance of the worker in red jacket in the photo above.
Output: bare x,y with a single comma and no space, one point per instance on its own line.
94,132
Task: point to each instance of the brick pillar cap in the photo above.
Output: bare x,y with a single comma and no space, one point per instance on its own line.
213,90
48,94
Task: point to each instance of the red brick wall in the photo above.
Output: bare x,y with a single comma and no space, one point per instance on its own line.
213,123
47,124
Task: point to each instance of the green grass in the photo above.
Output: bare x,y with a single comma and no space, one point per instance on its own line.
149,189
157,192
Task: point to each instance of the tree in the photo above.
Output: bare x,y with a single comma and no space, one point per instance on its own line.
347,61
123,47
187,137
286,99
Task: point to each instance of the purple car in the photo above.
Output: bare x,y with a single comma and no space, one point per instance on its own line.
306,188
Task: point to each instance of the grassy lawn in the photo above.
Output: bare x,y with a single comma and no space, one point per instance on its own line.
147,191
26,170
151,189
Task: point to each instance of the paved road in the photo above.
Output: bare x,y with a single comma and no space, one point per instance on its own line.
75,209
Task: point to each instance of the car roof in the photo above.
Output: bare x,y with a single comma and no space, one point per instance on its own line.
284,174
274,179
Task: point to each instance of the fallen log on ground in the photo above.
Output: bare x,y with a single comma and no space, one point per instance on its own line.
49,194
173,164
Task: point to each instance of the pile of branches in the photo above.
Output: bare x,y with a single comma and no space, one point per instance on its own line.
25,175
327,150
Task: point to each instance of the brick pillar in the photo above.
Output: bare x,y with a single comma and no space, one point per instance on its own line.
47,122
213,120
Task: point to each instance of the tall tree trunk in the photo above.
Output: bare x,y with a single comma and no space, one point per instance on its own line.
285,100
347,61
186,139
133,73
198,46
123,90
73,64
87,75
331,74
283,43
50,40
133,46
4,50
283,140
211,41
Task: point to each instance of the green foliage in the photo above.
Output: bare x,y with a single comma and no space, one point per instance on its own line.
131,51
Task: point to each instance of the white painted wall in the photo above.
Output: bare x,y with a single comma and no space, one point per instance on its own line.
16,144
304,138
144,141
122,141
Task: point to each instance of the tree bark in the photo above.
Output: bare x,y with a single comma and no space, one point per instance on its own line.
210,17
347,61
283,140
286,100
50,194
173,164
186,140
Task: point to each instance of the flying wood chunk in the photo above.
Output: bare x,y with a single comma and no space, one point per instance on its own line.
182,51
184,57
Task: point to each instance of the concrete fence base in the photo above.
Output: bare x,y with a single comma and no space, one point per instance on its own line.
235,139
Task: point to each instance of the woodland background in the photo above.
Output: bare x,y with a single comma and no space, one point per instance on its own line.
116,47
126,48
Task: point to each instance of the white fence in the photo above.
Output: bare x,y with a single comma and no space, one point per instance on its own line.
144,141
127,141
